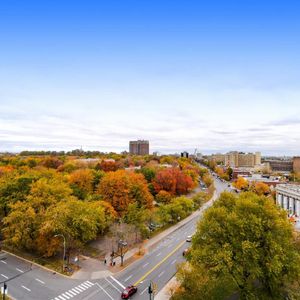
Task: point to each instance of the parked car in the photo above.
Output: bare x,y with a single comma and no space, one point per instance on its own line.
128,292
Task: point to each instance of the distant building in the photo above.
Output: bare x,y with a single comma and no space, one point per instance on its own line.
140,147
288,197
184,154
296,164
235,159
279,165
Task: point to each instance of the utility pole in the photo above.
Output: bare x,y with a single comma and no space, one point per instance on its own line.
64,257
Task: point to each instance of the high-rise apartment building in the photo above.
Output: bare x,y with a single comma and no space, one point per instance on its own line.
236,159
139,147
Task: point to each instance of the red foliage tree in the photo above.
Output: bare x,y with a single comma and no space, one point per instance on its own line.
173,180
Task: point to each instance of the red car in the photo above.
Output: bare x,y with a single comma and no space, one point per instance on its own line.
129,291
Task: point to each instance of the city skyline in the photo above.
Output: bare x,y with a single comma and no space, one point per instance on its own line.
216,77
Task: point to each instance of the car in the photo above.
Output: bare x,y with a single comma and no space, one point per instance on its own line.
128,292
185,251
189,238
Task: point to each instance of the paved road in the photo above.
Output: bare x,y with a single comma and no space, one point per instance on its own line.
158,266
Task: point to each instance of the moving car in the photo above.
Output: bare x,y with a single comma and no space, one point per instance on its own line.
189,238
128,292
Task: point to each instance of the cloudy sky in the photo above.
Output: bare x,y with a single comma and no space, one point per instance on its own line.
213,75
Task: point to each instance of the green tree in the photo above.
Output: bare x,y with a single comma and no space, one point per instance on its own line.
246,241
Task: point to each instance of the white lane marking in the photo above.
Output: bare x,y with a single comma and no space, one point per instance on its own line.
145,265
173,262
85,285
128,278
4,276
158,254
146,288
19,270
118,282
77,289
72,293
169,246
177,239
88,282
26,288
61,297
56,298
161,274
104,291
66,296
42,282
4,262
69,294
113,285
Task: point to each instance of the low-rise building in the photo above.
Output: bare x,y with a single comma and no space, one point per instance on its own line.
288,197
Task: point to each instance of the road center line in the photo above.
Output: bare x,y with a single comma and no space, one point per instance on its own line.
104,291
42,282
161,262
118,282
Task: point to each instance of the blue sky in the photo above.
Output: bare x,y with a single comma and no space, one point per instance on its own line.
212,75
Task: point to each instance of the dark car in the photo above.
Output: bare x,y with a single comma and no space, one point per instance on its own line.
129,291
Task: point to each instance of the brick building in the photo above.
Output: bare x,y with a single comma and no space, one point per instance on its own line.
140,147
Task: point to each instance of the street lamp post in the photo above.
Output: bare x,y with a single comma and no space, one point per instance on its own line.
57,235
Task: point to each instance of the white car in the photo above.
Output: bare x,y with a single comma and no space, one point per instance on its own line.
189,238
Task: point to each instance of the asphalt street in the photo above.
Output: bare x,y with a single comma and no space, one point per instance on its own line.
158,265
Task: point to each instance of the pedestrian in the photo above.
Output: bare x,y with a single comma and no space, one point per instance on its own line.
105,261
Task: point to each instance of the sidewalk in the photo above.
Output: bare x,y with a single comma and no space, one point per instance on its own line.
166,292
95,269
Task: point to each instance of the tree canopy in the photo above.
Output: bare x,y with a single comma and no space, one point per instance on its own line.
243,244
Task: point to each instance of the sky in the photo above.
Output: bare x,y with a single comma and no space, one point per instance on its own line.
212,75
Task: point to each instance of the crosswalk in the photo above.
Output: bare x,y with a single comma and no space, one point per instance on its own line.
74,291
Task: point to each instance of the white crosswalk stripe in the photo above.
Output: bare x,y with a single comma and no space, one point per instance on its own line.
75,291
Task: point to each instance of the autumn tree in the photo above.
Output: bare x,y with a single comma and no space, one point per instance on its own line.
174,181
241,183
121,188
243,244
261,188
82,182
176,210
163,197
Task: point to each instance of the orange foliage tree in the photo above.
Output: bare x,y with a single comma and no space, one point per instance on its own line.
120,188
261,188
174,181
241,183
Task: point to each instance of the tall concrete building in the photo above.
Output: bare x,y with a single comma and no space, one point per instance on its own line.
139,147
236,159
